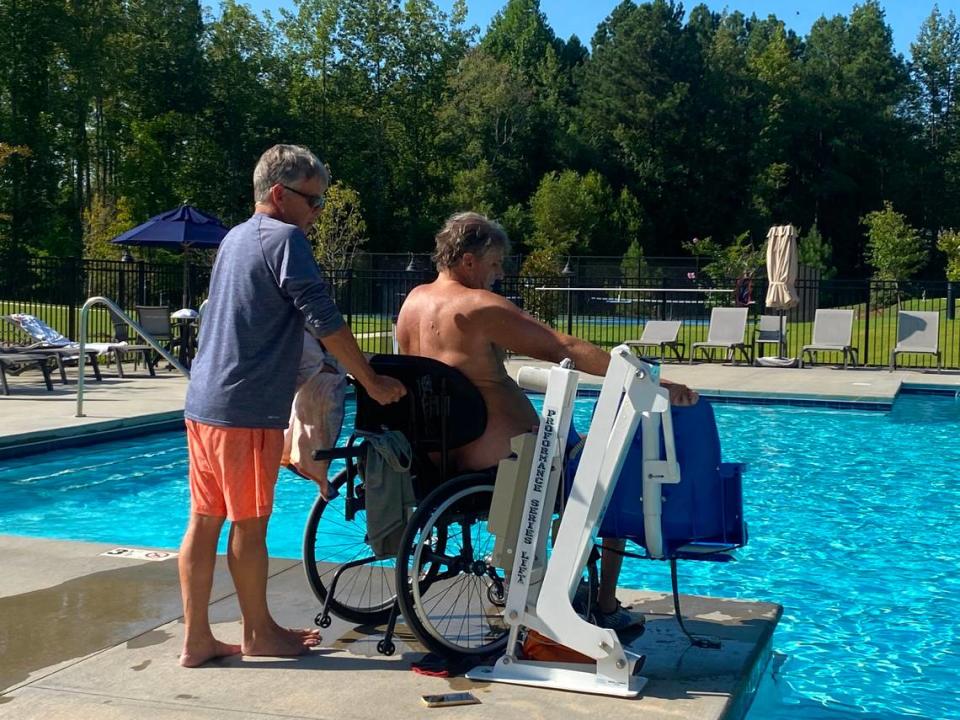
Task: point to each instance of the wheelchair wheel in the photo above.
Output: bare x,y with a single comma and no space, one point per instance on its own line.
452,597
364,594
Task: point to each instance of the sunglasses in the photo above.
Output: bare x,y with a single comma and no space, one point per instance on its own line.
314,201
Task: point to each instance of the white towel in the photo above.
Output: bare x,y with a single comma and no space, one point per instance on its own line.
315,421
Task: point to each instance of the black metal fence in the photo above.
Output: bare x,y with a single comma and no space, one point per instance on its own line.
582,268
55,289
606,310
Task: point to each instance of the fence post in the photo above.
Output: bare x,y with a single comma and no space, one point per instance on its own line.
141,283
865,357
76,288
569,305
121,285
349,297
951,300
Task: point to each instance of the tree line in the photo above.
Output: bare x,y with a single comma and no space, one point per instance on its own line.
669,126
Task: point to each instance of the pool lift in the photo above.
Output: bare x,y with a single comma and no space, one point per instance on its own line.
540,592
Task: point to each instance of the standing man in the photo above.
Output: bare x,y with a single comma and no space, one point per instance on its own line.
458,320
264,290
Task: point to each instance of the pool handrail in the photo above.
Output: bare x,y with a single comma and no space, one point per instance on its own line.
112,306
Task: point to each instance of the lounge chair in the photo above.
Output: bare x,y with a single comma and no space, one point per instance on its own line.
770,330
51,343
660,334
917,332
121,331
832,332
16,362
155,321
727,326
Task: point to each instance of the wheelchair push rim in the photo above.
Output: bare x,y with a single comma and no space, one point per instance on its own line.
453,597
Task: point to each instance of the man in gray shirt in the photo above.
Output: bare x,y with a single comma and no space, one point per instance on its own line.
264,290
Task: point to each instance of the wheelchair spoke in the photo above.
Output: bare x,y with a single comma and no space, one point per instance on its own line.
456,613
364,593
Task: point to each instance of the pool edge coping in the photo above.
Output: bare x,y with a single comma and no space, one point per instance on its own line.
38,441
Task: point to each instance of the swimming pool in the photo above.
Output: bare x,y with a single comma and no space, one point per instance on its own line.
851,515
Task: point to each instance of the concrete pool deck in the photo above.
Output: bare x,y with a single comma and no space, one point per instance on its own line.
818,384
87,635
93,636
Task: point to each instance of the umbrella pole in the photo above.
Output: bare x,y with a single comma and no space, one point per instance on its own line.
783,335
186,279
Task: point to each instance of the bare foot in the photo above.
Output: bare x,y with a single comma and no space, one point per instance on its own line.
197,656
308,636
277,644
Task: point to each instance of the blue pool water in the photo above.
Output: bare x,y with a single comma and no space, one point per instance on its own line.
851,519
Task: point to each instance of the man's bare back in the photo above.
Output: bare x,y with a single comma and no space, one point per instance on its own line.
445,320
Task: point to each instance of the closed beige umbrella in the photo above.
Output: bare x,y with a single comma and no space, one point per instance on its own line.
782,282
782,267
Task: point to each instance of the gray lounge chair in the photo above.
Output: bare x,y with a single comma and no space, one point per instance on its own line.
121,331
661,334
15,362
832,332
917,332
727,326
155,321
770,330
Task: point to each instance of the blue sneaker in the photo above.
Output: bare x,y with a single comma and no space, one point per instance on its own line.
620,619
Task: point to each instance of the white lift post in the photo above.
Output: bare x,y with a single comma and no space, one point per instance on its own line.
540,592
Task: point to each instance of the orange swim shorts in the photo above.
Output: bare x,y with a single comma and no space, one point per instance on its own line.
233,471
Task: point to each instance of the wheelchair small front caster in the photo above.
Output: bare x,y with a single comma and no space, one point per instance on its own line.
496,593
385,647
325,621
318,619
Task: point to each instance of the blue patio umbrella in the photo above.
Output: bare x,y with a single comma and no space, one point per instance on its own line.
178,230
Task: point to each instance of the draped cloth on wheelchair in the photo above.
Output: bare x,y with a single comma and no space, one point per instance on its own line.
316,417
388,487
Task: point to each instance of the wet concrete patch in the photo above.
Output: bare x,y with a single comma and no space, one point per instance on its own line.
154,637
50,626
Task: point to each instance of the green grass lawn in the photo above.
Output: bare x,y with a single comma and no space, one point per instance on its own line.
880,327
99,325
373,331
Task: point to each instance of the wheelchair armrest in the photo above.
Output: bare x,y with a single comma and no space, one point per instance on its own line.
342,453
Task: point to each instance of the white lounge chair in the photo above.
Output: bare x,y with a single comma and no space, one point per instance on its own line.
727,326
660,334
832,332
917,332
63,349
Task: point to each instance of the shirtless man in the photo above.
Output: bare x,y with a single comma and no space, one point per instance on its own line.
457,319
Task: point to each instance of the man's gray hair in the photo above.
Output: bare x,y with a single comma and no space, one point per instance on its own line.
285,165
468,232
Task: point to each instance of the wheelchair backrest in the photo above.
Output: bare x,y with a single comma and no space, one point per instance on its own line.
436,392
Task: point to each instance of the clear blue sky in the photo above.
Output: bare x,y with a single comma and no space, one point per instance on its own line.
581,17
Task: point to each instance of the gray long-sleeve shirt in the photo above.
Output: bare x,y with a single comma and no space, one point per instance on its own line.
265,286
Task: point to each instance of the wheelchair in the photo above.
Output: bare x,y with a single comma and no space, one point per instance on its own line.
450,595
444,580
